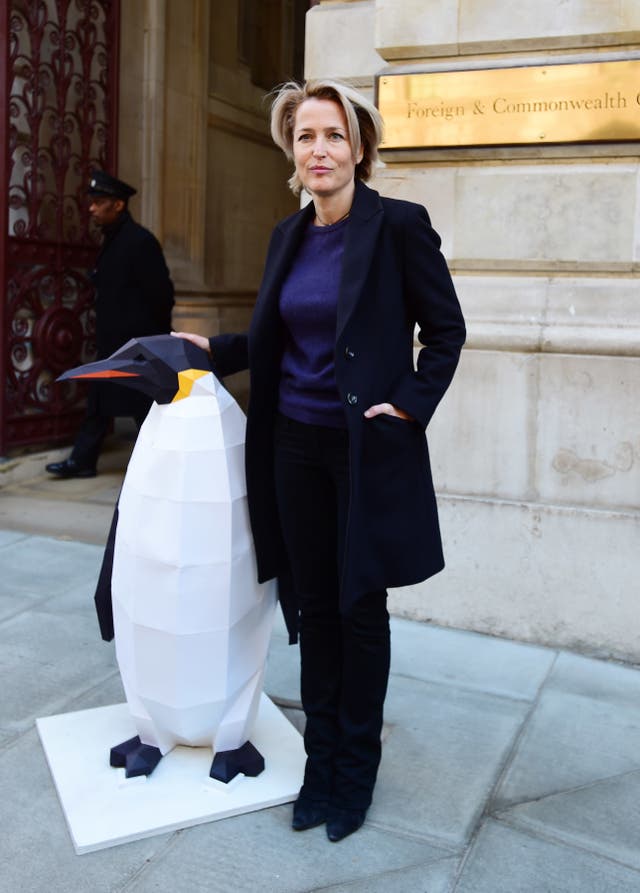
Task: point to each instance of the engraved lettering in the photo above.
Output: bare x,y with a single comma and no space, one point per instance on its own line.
421,110
503,106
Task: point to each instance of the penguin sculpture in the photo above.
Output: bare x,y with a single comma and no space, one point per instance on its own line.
191,623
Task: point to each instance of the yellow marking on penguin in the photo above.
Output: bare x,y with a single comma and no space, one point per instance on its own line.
186,379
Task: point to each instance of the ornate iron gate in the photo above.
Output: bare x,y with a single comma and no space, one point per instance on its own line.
58,119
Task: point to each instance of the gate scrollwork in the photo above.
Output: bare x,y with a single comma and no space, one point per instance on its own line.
60,110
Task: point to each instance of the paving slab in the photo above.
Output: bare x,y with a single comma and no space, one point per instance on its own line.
26,467
80,508
76,519
102,489
8,537
433,877
45,566
585,728
463,710
282,676
47,659
11,605
7,736
105,691
445,749
260,852
603,818
433,654
504,860
455,657
35,850
77,599
598,679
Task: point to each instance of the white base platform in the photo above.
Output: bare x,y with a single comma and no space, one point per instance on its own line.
103,808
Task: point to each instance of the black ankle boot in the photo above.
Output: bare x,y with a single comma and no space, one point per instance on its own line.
342,822
308,814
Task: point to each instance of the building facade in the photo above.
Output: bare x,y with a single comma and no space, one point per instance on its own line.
169,95
194,135
536,447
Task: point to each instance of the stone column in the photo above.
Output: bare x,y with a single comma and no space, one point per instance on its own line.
153,117
163,108
536,448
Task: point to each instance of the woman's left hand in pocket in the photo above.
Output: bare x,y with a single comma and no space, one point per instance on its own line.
387,409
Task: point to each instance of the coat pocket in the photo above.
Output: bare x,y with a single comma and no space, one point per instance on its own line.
395,461
385,436
398,512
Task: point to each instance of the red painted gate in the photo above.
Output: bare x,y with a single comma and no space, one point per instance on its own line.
58,119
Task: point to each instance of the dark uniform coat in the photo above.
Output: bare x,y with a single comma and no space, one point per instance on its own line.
393,278
134,297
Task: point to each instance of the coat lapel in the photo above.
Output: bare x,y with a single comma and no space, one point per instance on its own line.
365,221
279,261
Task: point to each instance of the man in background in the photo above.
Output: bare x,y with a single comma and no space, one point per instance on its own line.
134,297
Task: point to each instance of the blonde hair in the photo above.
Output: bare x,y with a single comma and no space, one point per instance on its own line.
364,121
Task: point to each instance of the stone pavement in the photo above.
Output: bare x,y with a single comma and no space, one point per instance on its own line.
506,768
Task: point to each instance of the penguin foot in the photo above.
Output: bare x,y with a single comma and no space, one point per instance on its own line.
118,755
142,761
229,763
135,757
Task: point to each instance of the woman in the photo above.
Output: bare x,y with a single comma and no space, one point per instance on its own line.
340,493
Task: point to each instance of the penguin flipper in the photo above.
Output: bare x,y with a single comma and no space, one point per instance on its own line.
229,763
102,598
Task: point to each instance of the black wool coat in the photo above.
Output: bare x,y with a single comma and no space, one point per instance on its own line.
394,278
134,297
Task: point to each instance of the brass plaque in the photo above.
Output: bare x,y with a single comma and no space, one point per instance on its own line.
592,102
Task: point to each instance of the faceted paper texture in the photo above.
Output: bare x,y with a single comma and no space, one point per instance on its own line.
192,625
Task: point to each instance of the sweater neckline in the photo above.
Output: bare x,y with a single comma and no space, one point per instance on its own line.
329,228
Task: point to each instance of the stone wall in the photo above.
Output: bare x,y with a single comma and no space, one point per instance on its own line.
194,139
536,447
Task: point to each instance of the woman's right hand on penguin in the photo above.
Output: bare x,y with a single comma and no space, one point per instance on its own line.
199,340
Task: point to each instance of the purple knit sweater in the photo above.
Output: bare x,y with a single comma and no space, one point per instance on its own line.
308,307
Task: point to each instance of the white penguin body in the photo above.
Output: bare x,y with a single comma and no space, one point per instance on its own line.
192,625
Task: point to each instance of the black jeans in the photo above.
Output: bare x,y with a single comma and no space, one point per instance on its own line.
344,655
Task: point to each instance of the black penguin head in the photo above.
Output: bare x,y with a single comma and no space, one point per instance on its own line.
162,366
